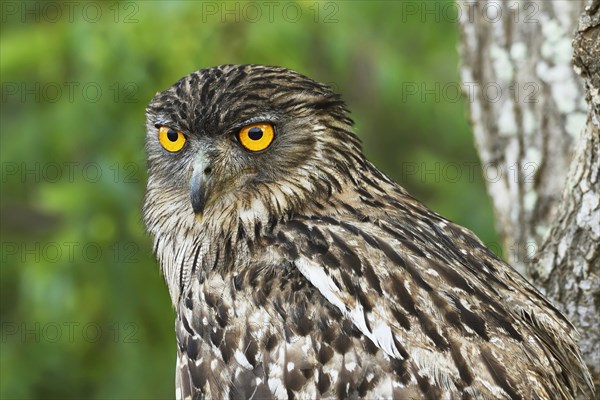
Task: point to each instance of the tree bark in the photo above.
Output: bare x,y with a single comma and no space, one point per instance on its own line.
538,137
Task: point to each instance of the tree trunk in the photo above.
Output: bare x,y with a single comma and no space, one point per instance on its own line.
537,137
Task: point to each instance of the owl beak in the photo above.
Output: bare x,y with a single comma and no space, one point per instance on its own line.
200,176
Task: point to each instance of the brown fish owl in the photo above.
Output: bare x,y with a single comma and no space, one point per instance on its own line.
299,270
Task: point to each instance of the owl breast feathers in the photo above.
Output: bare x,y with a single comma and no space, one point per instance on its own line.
299,270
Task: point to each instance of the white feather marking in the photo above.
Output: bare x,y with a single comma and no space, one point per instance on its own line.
275,375
432,272
290,366
257,211
381,335
277,388
317,276
305,183
334,374
178,390
285,189
306,347
241,359
384,388
213,364
259,321
357,315
280,199
439,368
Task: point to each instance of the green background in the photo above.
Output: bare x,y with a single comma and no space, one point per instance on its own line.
84,310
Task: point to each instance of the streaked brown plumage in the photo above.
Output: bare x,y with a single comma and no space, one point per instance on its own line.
311,274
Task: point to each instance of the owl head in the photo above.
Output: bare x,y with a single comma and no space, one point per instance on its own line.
236,146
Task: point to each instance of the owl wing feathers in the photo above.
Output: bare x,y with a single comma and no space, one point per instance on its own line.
356,307
465,321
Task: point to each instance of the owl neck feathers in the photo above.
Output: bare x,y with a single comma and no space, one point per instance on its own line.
188,249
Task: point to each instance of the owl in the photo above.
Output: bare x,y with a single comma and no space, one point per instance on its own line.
298,270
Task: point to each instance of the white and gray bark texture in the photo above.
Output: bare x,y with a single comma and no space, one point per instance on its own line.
535,111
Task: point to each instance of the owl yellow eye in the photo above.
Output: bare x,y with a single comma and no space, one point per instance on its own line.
256,137
170,139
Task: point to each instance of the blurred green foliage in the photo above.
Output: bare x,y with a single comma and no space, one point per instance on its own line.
84,311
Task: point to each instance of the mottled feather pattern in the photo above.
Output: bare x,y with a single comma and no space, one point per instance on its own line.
313,275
